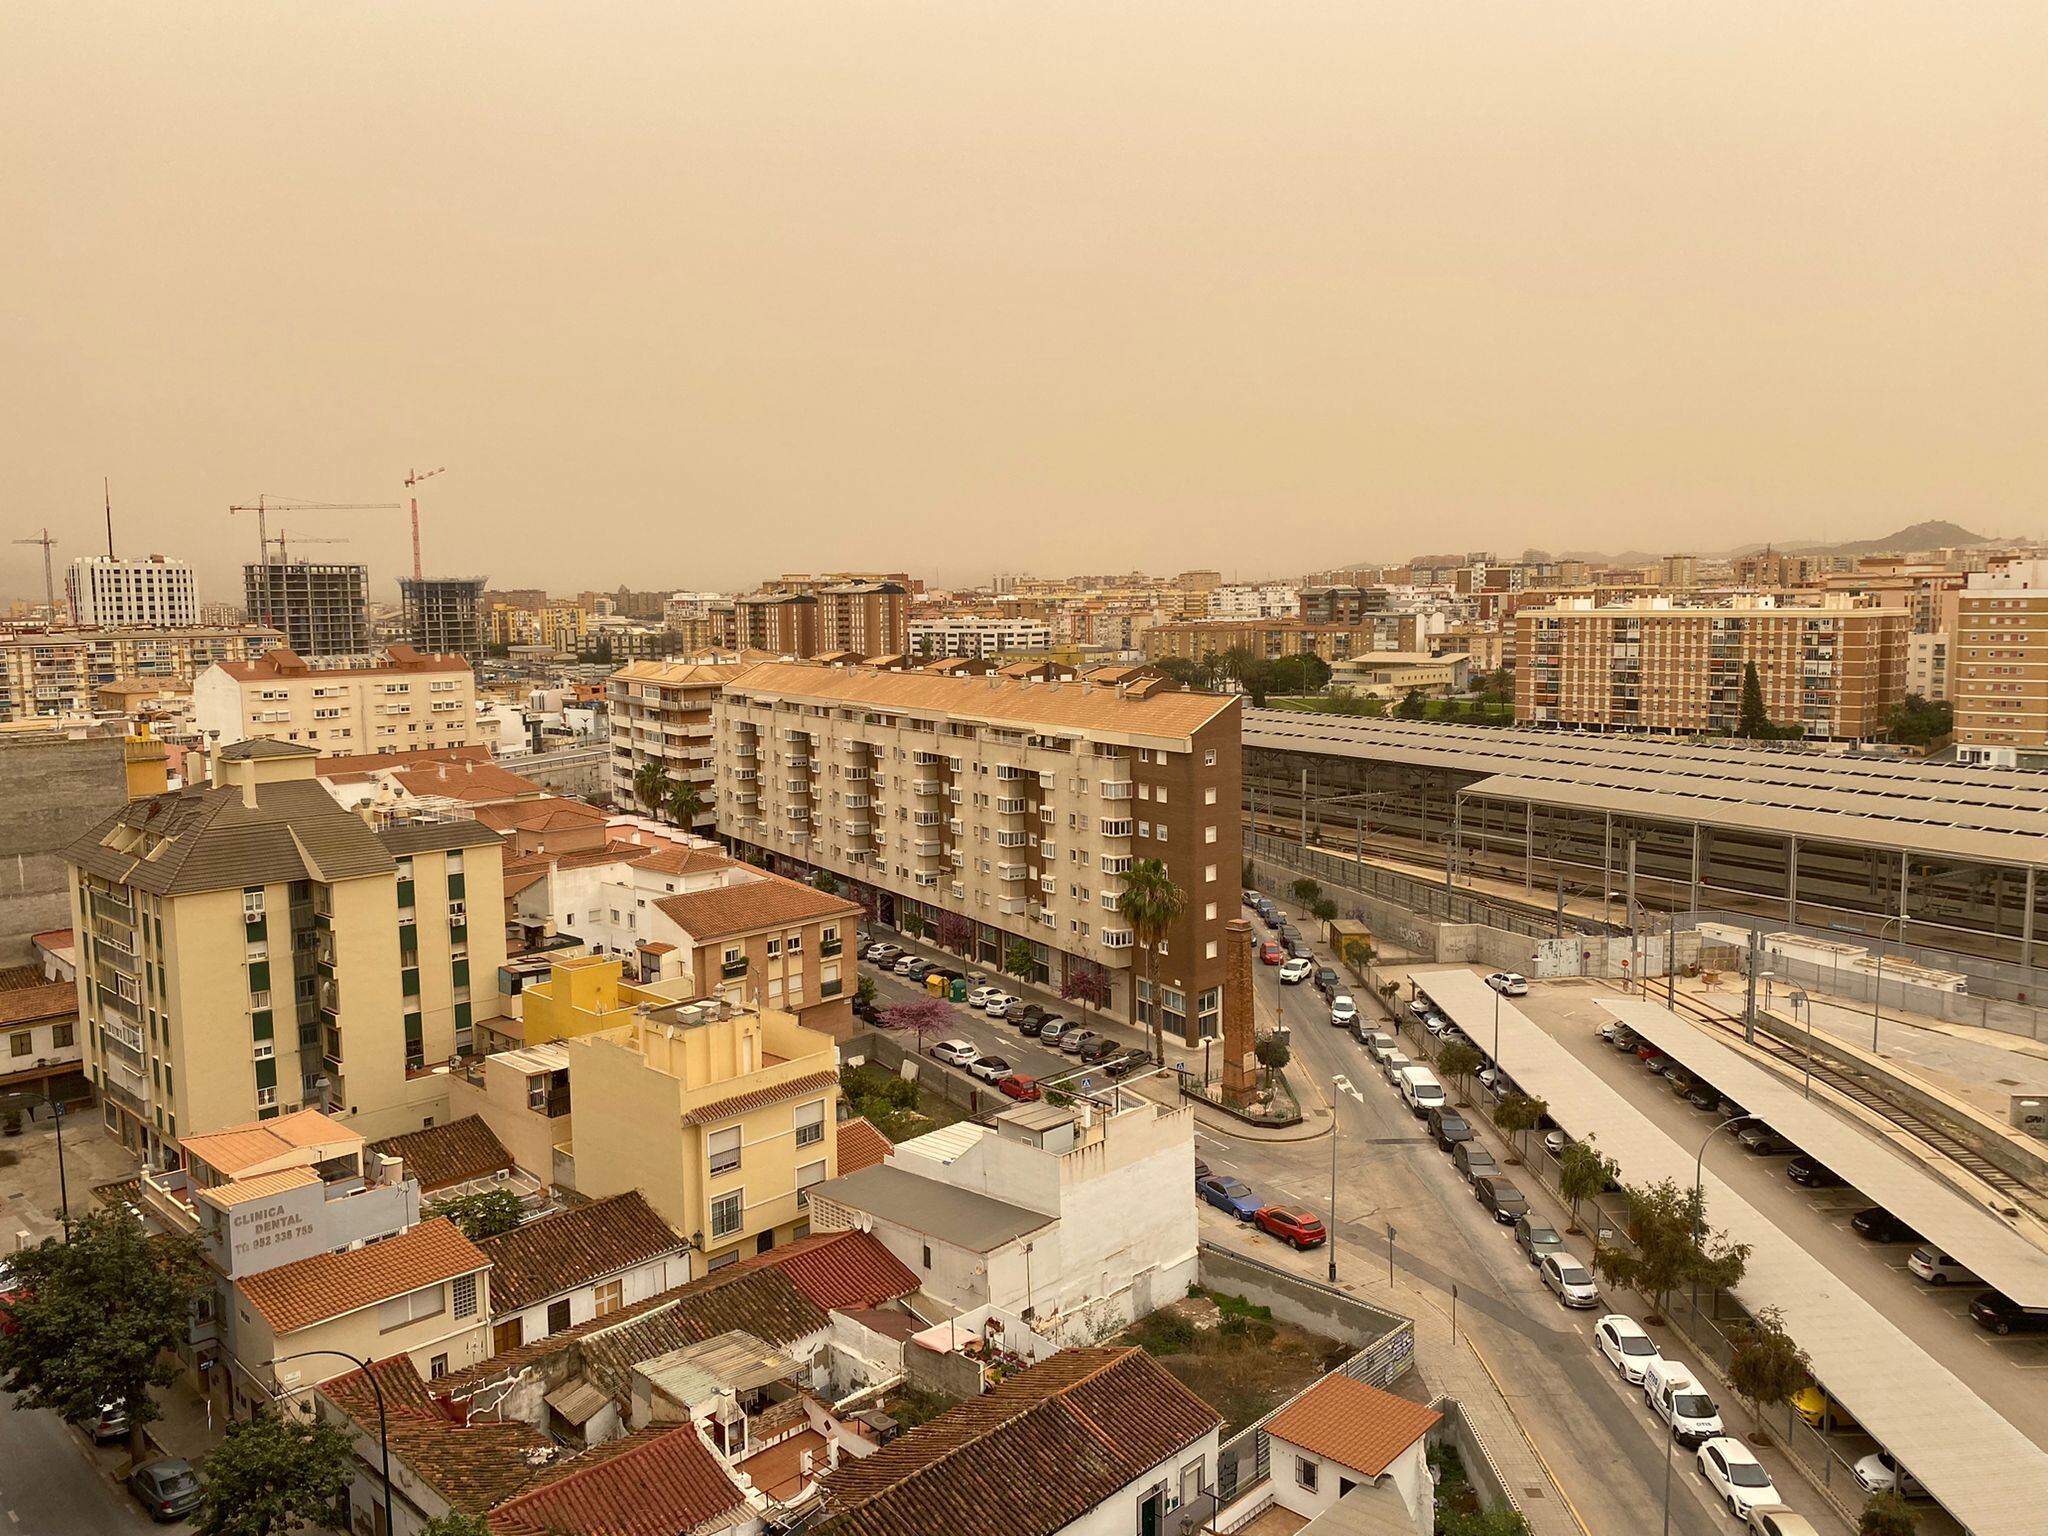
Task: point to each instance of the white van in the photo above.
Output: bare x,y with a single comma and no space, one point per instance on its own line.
1680,1401
1420,1091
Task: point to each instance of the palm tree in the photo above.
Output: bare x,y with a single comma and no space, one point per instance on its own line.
1151,903
650,784
684,802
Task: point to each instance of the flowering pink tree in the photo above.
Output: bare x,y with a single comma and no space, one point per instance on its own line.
955,932
921,1018
1087,984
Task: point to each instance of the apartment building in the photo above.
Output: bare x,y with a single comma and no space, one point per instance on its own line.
1998,666
1274,638
323,606
1834,670
976,636
1342,605
660,712
779,623
59,672
864,618
249,947
113,594
405,702
558,626
445,615
1927,665
725,1120
999,808
1248,600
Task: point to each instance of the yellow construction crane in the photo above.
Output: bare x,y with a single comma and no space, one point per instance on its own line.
49,572
264,505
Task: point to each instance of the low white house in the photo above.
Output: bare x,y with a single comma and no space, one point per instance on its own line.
1342,1439
566,1269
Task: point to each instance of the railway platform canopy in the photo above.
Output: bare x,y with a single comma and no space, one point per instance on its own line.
1992,1478
1888,1175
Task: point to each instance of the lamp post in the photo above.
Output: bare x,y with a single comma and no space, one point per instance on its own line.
1798,999
1333,1198
1877,989
377,1390
63,1185
1699,1174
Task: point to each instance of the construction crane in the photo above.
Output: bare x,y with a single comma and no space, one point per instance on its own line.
412,478
283,558
264,505
49,572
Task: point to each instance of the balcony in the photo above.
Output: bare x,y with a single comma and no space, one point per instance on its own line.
1116,938
1119,790
1010,906
830,989
1009,771
859,829
797,813
925,818
925,759
1009,839
798,760
929,881
1007,806
733,970
925,787
856,775
1114,828
796,786
855,802
1007,872
927,848
829,947
1049,886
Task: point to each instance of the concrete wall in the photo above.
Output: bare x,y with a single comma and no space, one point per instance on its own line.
1312,1305
51,791
1453,1430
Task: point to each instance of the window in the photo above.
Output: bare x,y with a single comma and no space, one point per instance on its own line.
61,1035
806,1176
401,1310
1208,798
727,1213
1209,758
558,1315
20,1044
1208,834
465,1295
927,1255
437,1367
810,1124
774,948
1305,1473
610,1297
1208,872
1209,911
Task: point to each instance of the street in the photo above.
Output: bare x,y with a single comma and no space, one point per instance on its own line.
51,1485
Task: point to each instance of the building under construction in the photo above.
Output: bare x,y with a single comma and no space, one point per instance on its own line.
323,607
446,614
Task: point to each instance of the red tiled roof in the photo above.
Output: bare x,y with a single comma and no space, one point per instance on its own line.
554,813
448,1154
341,767
282,661
760,1098
682,861
658,1482
861,1145
541,1259
841,1271
308,1291
472,1466
41,1000
1352,1424
770,902
471,779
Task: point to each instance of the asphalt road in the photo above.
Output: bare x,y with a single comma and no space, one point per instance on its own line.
52,1485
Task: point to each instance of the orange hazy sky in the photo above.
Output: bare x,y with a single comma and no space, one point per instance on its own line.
685,294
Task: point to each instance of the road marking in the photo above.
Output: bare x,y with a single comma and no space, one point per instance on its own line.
1344,1084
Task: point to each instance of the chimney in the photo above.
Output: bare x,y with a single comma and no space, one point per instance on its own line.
1240,1030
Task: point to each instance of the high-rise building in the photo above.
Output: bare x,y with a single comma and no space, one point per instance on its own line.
1998,666
60,672
966,634
781,623
405,703
322,606
660,712
113,594
1000,810
866,618
249,947
1833,671
446,614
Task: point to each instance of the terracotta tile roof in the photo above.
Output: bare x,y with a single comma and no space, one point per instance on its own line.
658,1482
541,1259
448,1154
841,1271
1352,1424
474,1467
344,767
235,1147
43,1000
682,861
1045,1447
760,1098
261,1187
308,1291
676,674
770,902
470,779
860,1145
522,880
554,814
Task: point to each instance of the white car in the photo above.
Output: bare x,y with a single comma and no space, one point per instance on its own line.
961,1053
979,997
1880,1472
903,966
990,1069
999,1006
881,954
1568,1278
1627,1348
1509,984
1554,1142
1435,1024
1420,1009
1297,971
1736,1476
1343,1011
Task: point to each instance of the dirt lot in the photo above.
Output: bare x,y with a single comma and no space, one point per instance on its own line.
1233,1356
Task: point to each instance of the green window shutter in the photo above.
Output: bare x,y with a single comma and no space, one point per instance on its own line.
459,933
462,1015
411,978
260,1022
409,939
266,1074
412,1029
455,886
405,893
462,973
259,975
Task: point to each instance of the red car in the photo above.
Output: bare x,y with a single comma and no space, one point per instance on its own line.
1020,1087
1292,1226
1271,953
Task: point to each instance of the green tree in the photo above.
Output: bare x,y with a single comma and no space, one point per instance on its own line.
1413,705
1516,1115
1273,1053
1583,1173
651,785
684,803
1458,1061
1323,909
1887,1514
1753,722
824,880
1302,673
1151,903
1359,954
456,1523
1662,1220
1767,1368
272,1475
864,992
1020,959
486,1214
1305,891
1917,723
913,923
93,1321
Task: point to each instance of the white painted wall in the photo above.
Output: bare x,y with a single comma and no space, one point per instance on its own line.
637,1284
1117,1515
1408,1477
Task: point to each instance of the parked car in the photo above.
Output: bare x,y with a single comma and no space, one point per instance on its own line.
1627,1347
960,1053
1555,1141
990,1069
1298,949
1292,1225
1536,1238
1435,1025
1030,1013
1474,1161
1703,1098
1821,1411
1502,1197
979,997
1448,1128
1763,1141
1879,1225
1686,1407
1272,916
1929,1263
1736,1476
1567,1278
1326,980
1420,1009
1999,1313
168,1488
110,1423
1880,1472
1778,1520
1271,953
1123,1063
920,970
1020,1087
1394,1064
1230,1195
1295,972
1343,1011
1050,1030
1074,1041
1680,1082
1623,1038
1657,1065
882,954
1813,1173
1508,984
1099,1049
999,1006
906,963
1381,1045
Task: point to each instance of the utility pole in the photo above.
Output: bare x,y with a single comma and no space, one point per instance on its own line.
49,571
1756,953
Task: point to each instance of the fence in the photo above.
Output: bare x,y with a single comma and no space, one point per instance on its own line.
883,1052
1426,898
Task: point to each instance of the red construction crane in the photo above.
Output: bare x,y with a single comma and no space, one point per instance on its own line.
264,505
412,478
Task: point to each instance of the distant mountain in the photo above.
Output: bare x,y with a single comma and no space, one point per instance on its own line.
1938,534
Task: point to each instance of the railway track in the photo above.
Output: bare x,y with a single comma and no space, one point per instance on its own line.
1928,1130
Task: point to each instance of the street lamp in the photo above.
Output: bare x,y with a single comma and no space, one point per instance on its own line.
63,1185
1798,999
377,1390
1333,1198
1699,1173
1877,990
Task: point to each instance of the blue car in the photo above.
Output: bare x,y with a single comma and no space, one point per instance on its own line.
1228,1194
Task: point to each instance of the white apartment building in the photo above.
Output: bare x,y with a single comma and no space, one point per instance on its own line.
1927,664
405,702
976,636
660,712
1250,600
116,594
59,672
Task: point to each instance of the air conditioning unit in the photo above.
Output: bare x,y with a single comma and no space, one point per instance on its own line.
500,1175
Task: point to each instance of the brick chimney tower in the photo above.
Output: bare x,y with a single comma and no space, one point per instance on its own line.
1240,1033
